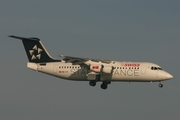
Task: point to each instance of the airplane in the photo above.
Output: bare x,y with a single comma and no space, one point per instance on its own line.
91,70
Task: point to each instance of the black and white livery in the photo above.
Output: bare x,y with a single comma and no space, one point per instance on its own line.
92,70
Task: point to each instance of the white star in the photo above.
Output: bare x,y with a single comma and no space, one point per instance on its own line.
35,47
38,56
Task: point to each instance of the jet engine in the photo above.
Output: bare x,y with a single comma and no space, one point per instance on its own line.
107,69
96,68
101,68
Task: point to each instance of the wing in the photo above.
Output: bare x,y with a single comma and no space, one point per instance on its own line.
79,61
74,60
95,65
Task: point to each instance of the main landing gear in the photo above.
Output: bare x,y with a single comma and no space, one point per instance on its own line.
92,83
160,85
104,84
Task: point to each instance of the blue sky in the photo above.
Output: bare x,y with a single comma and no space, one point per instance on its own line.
125,30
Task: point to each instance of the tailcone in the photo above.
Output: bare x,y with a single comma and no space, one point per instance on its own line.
32,66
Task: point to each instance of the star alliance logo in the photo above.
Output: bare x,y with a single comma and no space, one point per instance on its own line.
35,53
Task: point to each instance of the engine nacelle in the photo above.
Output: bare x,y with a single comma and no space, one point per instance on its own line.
96,68
107,69
101,68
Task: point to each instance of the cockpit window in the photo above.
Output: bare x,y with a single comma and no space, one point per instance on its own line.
160,68
156,68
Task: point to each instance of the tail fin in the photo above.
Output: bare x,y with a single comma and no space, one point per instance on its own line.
35,50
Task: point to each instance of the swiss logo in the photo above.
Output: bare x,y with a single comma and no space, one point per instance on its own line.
35,53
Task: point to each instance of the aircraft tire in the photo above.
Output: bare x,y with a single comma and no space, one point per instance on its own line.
104,86
160,85
92,83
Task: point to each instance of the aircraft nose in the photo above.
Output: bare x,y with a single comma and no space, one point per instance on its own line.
169,76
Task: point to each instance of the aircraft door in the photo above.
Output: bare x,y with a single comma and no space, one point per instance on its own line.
143,69
55,68
157,73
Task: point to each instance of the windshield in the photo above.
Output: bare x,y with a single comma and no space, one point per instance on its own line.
156,68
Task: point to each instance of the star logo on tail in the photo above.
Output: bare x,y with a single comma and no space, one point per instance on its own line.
35,52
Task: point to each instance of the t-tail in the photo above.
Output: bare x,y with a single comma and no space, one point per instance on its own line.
35,50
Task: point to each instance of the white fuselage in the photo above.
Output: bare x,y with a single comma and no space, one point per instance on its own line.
92,70
115,71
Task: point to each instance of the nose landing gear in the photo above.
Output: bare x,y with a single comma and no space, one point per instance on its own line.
160,85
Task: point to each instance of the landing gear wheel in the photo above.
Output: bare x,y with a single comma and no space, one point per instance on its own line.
160,85
92,83
104,86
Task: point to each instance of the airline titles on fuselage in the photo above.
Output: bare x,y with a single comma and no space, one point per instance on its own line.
127,69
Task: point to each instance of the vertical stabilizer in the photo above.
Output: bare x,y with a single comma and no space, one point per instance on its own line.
35,50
